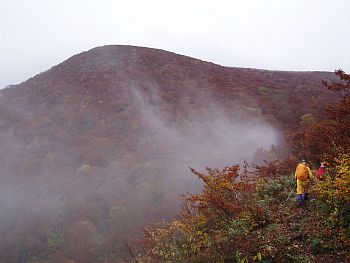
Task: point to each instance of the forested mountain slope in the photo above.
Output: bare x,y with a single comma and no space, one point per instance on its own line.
100,144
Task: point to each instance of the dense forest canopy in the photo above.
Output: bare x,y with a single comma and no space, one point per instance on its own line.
97,147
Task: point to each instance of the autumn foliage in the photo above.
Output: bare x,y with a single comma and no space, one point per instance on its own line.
235,220
330,137
214,224
251,216
83,167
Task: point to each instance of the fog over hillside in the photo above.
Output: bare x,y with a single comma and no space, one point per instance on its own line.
99,146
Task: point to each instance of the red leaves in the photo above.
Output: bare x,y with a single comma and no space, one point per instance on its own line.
329,137
342,87
222,192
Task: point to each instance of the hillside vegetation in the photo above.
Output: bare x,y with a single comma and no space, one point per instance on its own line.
251,216
98,146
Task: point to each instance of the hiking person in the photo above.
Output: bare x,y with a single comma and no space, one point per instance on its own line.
321,171
302,177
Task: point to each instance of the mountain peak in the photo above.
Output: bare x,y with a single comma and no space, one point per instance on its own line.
112,131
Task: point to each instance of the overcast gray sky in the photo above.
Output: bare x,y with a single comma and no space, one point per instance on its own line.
269,34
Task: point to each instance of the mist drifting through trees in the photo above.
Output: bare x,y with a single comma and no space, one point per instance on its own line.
99,146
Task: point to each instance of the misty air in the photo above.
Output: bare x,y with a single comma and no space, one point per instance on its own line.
174,132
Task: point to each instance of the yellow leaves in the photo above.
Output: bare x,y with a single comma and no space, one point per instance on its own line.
179,239
202,220
226,185
237,217
342,181
335,191
177,224
340,186
257,257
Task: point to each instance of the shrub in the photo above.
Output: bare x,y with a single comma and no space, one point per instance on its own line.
263,90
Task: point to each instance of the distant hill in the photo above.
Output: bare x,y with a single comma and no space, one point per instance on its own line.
109,134
93,100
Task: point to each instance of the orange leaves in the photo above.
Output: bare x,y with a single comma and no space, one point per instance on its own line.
342,87
243,217
222,194
330,137
213,223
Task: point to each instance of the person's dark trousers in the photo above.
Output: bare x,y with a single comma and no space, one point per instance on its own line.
300,199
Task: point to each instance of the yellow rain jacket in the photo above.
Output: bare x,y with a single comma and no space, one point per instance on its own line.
302,175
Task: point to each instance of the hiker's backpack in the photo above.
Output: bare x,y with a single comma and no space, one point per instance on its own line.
301,172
